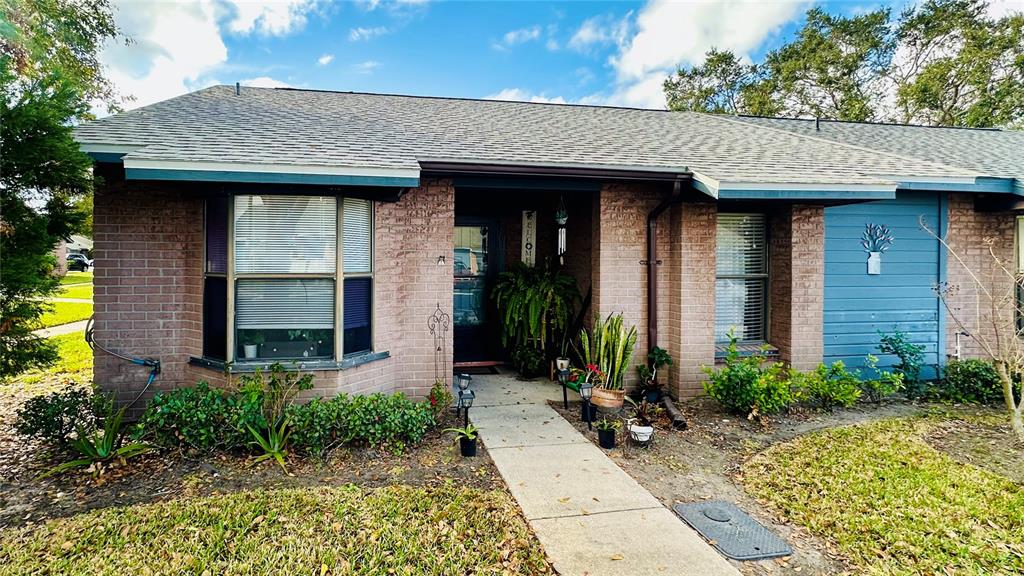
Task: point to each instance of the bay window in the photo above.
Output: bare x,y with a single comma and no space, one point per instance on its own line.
298,277
741,280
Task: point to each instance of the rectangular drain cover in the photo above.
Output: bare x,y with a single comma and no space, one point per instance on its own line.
731,531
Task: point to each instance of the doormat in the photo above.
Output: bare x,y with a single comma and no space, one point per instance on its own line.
731,531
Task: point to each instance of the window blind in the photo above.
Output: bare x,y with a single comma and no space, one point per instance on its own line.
742,248
285,234
284,303
358,234
217,235
741,289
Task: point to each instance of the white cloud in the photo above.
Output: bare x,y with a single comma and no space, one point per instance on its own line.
269,17
162,61
325,60
666,35
265,82
520,36
520,95
179,46
600,30
357,34
366,67
1000,8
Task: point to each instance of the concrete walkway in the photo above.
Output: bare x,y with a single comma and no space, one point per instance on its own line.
61,329
591,517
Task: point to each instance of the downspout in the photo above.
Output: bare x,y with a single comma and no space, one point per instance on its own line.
652,261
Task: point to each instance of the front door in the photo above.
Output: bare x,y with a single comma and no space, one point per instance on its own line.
474,273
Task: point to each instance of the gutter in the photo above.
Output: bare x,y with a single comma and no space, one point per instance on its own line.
554,170
652,261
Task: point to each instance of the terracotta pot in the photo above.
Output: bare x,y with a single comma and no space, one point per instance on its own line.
611,399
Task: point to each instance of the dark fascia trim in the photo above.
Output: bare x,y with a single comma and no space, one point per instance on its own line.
243,367
446,168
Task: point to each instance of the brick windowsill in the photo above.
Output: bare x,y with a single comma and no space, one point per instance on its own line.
312,365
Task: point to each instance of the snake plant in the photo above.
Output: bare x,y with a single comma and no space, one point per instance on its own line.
608,345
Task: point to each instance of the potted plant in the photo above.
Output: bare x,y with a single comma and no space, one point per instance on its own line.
251,344
467,436
650,388
562,362
606,432
640,426
609,347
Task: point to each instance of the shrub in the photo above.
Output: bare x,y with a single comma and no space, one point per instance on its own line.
970,381
827,386
391,421
440,399
199,417
55,417
911,360
318,425
882,385
748,386
527,360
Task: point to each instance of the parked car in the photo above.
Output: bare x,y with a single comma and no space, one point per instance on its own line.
79,262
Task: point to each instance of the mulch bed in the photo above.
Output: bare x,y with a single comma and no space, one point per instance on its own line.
26,499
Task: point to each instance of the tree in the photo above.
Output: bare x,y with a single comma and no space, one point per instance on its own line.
997,323
49,78
943,62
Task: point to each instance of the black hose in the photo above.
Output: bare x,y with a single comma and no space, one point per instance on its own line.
152,363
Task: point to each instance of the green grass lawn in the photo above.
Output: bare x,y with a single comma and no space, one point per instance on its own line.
892,503
83,291
348,530
65,312
74,360
76,278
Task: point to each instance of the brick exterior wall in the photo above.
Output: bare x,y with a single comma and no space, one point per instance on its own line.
796,284
619,241
690,337
969,234
148,295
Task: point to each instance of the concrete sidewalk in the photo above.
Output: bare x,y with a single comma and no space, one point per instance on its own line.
61,329
592,518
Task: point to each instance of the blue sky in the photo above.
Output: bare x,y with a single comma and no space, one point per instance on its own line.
588,52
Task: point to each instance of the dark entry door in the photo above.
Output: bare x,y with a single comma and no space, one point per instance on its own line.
474,272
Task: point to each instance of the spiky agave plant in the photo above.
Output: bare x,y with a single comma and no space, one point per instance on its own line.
100,447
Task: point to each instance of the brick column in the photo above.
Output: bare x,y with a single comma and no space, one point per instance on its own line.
690,300
796,291
619,247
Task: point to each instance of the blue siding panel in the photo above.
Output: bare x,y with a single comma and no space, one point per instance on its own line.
858,305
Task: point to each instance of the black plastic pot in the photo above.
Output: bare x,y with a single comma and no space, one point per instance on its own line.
588,416
653,396
467,447
606,439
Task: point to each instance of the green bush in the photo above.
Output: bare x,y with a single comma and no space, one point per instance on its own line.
881,384
827,386
54,418
199,417
911,360
969,381
318,425
392,421
748,386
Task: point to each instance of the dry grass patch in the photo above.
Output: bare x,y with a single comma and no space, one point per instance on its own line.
443,530
892,503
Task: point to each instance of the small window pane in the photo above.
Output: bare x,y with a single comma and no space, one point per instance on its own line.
742,248
217,235
358,231
215,317
285,234
358,302
741,287
285,318
740,305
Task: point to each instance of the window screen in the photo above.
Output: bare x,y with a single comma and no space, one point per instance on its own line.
741,287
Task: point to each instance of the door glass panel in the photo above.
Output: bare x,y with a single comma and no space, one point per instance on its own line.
470,263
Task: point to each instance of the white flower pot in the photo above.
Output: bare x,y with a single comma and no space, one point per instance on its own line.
562,363
874,263
250,351
641,434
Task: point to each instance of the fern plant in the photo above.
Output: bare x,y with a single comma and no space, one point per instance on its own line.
535,305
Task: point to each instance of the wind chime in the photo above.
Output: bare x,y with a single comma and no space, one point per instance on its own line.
561,217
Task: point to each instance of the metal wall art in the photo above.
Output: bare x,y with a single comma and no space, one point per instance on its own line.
438,323
876,240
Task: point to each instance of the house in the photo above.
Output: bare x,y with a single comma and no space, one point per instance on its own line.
358,234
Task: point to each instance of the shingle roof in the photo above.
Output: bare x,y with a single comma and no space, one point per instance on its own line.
289,127
998,153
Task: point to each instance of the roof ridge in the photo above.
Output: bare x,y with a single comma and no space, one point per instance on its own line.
866,123
735,120
457,98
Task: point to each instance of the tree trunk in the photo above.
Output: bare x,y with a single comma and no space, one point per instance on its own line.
1014,410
